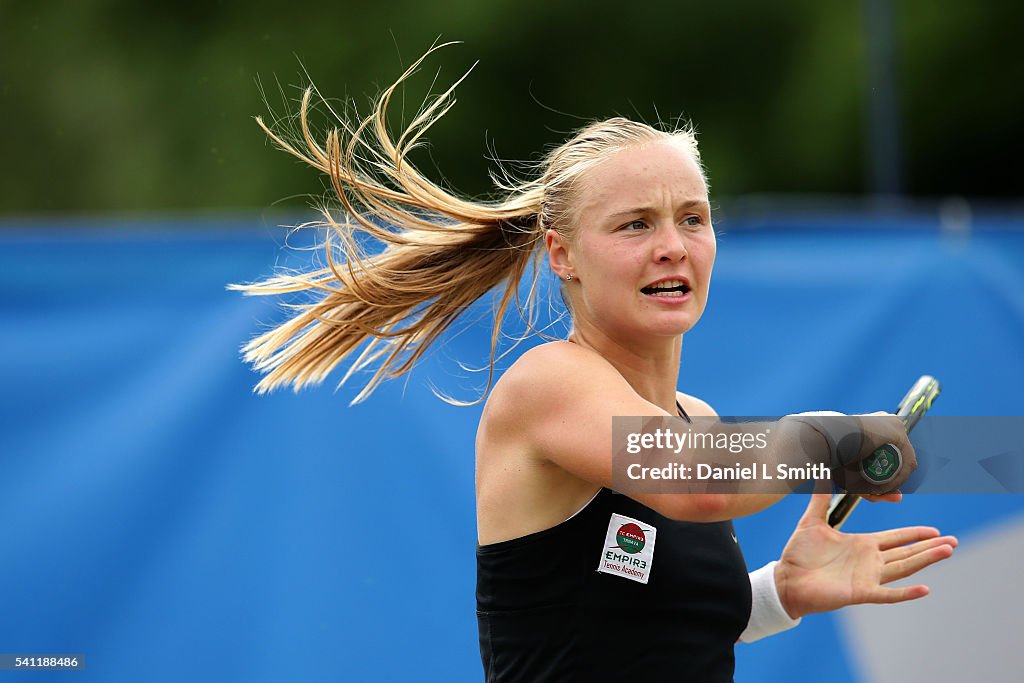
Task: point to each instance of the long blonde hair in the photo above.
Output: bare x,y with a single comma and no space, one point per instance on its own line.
441,252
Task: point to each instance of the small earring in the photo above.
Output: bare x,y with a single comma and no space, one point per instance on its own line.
568,278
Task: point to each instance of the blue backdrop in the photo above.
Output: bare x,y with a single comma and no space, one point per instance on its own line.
160,518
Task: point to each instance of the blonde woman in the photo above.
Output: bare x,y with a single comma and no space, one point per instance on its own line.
620,212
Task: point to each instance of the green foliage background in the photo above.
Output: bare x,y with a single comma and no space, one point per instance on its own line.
110,105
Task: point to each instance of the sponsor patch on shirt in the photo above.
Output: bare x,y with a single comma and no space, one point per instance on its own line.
628,549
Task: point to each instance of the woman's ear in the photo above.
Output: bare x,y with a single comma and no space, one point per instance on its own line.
558,254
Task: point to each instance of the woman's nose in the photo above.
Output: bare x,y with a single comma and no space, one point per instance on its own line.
670,245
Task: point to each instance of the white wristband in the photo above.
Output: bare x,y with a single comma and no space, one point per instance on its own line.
767,615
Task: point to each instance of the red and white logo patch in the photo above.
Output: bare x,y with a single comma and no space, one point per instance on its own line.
628,549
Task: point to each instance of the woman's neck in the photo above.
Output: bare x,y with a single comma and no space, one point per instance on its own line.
652,371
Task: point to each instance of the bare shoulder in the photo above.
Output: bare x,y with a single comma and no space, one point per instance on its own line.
562,358
694,406
549,375
540,444
557,403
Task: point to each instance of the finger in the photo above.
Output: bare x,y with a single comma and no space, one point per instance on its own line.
897,537
904,568
894,497
817,509
823,486
903,552
888,596
909,458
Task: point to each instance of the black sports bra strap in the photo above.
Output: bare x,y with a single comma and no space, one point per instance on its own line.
682,413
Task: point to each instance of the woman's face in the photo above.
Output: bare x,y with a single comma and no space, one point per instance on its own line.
644,247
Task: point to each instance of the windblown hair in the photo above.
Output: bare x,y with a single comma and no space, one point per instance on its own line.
441,252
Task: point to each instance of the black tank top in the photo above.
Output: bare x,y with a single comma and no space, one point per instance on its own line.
546,614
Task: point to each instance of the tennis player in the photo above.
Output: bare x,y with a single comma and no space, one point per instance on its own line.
621,213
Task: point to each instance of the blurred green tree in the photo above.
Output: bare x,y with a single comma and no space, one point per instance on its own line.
111,105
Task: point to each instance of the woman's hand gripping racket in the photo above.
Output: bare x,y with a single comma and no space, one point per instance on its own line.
882,465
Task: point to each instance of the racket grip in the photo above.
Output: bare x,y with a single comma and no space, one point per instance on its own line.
884,464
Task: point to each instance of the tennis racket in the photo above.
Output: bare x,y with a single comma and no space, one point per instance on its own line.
883,465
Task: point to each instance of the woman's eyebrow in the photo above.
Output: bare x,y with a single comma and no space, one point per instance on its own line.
644,209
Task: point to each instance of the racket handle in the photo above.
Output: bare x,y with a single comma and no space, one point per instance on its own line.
884,464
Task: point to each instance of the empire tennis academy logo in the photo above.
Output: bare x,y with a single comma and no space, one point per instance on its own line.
628,549
630,538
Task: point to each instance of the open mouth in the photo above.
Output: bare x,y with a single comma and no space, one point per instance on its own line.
667,288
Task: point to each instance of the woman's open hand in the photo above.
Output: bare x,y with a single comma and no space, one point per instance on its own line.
822,569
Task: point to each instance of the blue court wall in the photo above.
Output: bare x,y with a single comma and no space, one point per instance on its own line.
164,521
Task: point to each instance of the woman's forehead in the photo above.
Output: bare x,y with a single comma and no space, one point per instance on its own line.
639,175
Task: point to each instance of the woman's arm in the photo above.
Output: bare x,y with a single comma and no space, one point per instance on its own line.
561,399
